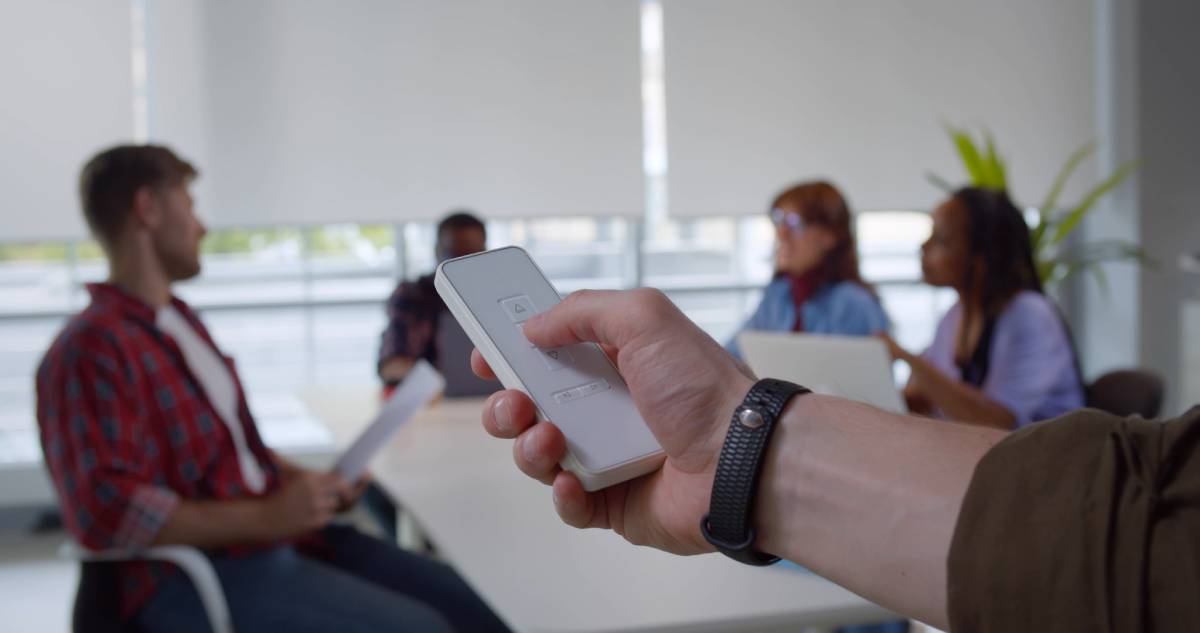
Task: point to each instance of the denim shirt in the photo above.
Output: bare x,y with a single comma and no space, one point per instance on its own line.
843,307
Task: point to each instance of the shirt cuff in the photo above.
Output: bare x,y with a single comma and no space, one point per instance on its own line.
148,510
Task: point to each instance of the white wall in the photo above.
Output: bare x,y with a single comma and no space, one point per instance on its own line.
1149,97
385,110
66,70
1169,191
763,93
1107,319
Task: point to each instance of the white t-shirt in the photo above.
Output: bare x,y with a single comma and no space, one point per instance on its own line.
217,382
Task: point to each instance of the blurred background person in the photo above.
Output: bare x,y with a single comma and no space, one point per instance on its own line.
149,438
817,287
419,326
1002,355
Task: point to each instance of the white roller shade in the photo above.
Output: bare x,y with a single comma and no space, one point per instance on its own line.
381,110
763,93
66,78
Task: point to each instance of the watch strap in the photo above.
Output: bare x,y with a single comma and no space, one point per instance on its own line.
728,524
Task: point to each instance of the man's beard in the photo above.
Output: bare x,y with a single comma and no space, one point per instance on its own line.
178,266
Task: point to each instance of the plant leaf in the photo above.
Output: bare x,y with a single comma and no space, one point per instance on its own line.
939,182
1091,257
1112,250
1060,180
1077,214
1045,270
1038,236
969,154
1056,271
1101,277
993,166
1121,252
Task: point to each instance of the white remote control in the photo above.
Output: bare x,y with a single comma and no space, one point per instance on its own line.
491,294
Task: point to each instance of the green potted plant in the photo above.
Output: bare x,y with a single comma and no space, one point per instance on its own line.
986,168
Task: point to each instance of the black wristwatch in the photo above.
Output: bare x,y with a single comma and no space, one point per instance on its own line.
731,507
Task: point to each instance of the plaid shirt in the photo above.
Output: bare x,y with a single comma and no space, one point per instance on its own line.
412,313
127,432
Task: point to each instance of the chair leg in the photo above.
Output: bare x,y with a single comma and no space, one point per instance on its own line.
200,570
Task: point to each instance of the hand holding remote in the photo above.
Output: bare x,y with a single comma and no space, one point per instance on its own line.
684,385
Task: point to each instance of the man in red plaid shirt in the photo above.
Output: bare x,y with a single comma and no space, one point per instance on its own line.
149,441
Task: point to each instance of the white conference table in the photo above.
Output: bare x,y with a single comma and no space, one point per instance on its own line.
499,529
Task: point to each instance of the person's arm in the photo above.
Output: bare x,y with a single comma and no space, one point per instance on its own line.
864,497
306,502
958,400
210,524
394,369
349,495
396,356
869,499
96,445
1064,525
1087,522
287,468
917,403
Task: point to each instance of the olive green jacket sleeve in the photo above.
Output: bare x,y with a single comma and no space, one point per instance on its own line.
1088,522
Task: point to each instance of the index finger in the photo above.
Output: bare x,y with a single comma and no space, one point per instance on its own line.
484,370
610,317
481,367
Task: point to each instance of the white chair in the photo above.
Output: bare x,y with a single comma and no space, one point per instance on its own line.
191,560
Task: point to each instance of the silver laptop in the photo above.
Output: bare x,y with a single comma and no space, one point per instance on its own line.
851,367
454,361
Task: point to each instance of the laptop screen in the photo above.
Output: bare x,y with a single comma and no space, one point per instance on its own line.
454,361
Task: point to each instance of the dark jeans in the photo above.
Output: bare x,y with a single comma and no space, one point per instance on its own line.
366,586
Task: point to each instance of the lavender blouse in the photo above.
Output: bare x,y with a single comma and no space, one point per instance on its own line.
1031,364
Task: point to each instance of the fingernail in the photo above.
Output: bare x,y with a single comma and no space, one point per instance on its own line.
529,451
501,415
557,500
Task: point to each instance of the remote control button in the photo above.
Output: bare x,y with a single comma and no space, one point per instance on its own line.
556,357
518,308
582,391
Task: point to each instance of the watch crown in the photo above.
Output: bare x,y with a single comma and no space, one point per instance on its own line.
750,418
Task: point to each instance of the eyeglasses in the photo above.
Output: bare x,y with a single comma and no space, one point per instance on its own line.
791,219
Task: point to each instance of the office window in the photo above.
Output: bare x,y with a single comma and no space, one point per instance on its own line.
36,277
36,286
889,245
351,262
574,253
249,266
302,307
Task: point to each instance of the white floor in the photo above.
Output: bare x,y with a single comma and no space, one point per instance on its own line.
36,587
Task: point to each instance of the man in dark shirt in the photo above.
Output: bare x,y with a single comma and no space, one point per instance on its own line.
414,310
149,440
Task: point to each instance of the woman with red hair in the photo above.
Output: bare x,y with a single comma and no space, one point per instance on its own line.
817,287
